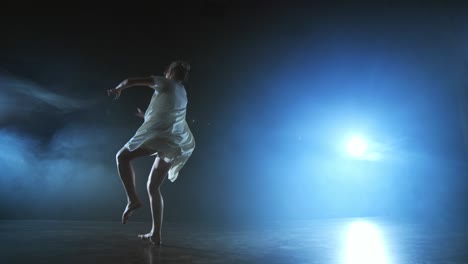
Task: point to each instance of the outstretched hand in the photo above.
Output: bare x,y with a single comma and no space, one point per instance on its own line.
114,92
140,113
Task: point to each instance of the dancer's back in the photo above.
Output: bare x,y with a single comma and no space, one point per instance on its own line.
167,108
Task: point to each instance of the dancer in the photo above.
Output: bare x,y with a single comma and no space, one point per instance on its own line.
164,134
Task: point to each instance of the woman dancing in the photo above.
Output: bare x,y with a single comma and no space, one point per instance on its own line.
164,134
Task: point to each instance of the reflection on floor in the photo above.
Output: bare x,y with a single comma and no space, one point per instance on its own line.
340,241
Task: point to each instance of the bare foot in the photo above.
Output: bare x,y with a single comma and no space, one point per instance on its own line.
155,240
129,210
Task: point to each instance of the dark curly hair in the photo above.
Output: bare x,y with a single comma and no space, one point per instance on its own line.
180,70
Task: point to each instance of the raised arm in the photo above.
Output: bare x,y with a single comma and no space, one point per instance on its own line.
143,81
130,82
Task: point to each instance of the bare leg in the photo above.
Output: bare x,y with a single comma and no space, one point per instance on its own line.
127,176
155,179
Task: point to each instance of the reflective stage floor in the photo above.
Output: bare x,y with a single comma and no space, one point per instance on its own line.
341,241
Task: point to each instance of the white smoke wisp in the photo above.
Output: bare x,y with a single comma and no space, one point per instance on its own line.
19,97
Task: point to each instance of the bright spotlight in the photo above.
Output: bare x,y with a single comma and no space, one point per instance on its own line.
356,147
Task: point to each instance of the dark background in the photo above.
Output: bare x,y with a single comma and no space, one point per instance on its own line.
274,89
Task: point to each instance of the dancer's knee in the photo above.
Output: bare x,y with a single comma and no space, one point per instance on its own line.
122,156
153,188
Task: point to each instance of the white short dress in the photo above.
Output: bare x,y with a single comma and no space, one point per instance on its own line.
165,131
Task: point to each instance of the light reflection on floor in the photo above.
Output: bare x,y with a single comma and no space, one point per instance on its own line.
334,241
365,244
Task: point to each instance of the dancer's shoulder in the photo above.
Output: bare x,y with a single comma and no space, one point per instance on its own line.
160,83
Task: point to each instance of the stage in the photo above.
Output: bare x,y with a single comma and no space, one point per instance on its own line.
347,241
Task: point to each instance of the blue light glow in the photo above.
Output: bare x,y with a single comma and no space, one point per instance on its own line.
360,148
356,146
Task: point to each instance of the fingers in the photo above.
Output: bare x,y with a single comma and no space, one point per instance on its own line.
140,113
115,92
111,92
